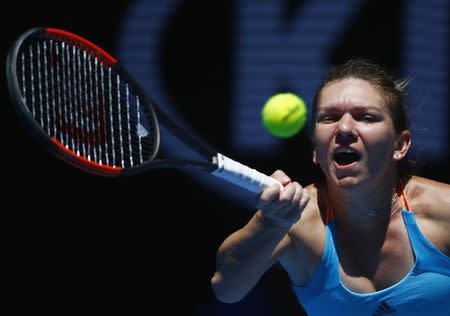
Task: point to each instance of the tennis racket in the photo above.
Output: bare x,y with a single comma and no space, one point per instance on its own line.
81,105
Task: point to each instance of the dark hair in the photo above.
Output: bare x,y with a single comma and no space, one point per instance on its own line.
392,91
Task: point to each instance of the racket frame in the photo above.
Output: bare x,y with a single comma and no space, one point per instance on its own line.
215,163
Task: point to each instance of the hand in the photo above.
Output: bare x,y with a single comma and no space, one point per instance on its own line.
283,208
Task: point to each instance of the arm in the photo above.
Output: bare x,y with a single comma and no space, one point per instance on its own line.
248,253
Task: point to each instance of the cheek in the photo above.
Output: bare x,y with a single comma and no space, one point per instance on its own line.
380,140
321,135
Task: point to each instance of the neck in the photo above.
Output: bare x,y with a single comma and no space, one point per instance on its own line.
366,206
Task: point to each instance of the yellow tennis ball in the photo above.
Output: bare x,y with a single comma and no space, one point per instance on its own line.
284,114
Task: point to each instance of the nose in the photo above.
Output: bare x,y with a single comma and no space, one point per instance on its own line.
345,130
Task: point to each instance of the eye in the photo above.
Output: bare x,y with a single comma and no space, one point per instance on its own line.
327,118
368,118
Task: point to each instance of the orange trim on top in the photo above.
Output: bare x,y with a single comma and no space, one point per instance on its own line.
81,161
329,215
404,200
107,56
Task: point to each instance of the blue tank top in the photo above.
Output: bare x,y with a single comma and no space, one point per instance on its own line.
425,290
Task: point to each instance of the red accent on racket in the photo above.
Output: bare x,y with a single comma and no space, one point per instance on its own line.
81,105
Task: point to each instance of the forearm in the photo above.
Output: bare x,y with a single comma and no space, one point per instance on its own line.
245,256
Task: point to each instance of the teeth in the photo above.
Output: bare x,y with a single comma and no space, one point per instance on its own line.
346,150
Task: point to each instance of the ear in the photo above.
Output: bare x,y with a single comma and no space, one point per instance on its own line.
314,158
402,146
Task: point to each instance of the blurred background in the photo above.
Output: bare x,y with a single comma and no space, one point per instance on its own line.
76,242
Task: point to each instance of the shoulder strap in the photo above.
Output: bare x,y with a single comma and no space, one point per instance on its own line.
329,215
403,198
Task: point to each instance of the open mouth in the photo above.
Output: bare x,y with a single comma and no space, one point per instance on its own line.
346,157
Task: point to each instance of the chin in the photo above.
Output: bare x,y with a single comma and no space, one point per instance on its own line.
347,183
350,182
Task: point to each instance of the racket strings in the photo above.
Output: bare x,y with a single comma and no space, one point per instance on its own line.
85,105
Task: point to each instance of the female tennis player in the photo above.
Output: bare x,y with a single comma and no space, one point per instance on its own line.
370,239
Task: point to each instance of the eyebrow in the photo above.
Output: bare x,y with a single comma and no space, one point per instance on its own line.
335,108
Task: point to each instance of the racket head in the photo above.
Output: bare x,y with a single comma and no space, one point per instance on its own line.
79,104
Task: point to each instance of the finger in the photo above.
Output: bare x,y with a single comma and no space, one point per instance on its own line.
268,195
293,201
281,176
304,199
298,193
287,194
289,199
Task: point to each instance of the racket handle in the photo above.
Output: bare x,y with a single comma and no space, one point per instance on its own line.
241,175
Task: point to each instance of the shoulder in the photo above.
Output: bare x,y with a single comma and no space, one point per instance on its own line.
428,198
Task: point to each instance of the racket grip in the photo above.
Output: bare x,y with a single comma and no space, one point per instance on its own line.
241,175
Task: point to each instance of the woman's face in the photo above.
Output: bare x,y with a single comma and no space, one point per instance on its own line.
354,135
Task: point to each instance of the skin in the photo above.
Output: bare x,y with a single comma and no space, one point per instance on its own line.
374,251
